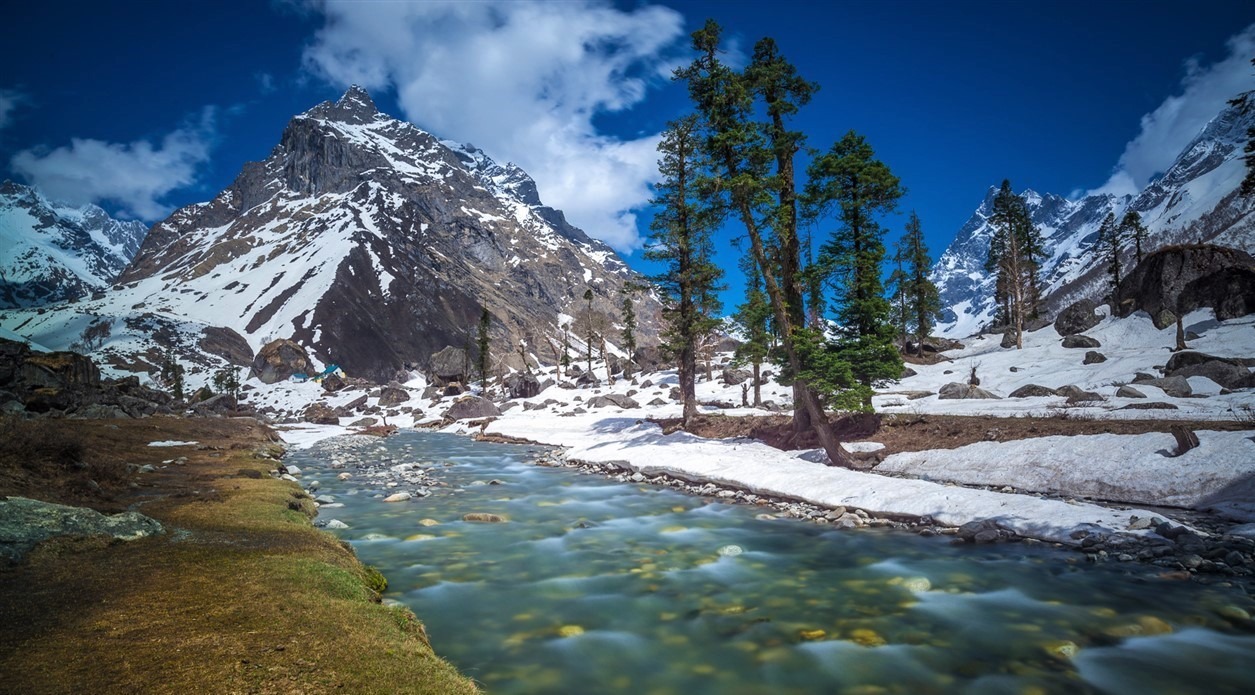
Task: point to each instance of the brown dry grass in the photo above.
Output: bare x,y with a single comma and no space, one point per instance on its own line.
242,595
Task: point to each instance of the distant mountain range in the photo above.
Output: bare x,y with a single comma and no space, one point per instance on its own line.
1194,200
54,252
370,242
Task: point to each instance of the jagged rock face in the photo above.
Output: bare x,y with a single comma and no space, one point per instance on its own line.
52,252
1195,200
375,245
1177,280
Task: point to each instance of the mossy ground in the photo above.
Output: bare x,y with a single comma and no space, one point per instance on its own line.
241,594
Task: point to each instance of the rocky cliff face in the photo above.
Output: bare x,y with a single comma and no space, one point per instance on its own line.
1194,201
373,244
51,252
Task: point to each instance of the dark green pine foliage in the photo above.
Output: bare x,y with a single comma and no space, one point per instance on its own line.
899,288
849,181
753,317
172,374
589,335
922,297
681,241
629,328
482,342
1015,250
1108,247
1131,227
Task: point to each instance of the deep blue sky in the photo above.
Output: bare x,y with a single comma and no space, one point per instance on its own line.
954,96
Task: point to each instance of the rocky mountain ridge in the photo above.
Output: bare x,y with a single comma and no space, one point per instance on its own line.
1195,200
371,243
55,252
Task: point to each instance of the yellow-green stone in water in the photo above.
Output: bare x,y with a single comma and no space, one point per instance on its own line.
1061,649
570,631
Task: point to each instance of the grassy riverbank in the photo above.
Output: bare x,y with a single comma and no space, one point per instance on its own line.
241,594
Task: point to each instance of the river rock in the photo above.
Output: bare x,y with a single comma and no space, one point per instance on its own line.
24,523
337,524
483,517
398,497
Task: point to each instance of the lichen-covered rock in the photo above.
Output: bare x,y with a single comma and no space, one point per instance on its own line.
279,359
24,523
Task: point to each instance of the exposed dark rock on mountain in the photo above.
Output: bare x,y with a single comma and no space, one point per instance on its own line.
374,244
1078,317
67,383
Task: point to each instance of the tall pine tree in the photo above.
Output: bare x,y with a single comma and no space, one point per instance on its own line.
753,317
1131,227
751,166
849,181
899,285
482,342
1107,247
629,328
922,297
681,241
1014,252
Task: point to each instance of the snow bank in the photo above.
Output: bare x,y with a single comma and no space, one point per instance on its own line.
1137,469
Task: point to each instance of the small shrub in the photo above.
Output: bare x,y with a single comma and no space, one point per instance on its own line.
374,579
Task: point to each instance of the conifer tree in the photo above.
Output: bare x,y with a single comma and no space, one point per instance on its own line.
753,317
1108,247
899,285
565,360
589,333
681,241
629,329
485,321
1014,250
751,168
922,296
172,374
849,181
1131,227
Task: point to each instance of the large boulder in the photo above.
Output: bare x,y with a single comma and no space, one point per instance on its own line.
24,523
1229,373
1175,386
933,344
1032,391
472,407
449,365
227,344
732,377
1080,341
1078,317
522,385
58,370
957,391
279,360
321,414
614,399
1176,280
392,395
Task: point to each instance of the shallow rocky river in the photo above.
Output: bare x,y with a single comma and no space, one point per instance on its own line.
595,586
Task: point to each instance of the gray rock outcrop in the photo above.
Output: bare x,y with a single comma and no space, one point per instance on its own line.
24,523
279,359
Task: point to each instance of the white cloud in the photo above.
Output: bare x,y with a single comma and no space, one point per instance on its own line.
10,99
1170,127
521,80
133,175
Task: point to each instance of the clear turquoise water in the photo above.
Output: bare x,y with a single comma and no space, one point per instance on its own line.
594,586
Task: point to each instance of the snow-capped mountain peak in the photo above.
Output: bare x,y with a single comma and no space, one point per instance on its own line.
1194,200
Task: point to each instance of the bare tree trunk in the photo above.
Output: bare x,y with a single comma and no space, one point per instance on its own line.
758,392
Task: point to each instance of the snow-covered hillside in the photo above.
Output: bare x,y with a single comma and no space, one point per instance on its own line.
1194,200
53,252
